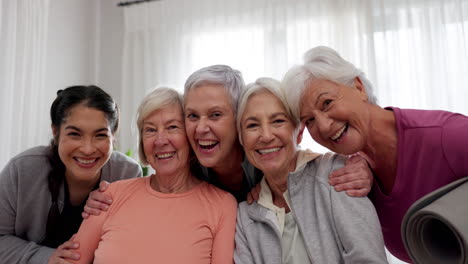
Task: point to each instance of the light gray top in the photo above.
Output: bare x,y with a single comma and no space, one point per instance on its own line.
336,228
25,201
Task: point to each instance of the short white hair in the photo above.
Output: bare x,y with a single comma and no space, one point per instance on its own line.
229,78
155,100
321,63
264,85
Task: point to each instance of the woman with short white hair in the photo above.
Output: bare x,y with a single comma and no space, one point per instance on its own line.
411,152
299,217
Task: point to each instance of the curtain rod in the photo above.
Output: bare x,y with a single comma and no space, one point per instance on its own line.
127,3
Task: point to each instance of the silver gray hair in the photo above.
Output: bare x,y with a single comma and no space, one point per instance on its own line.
321,63
155,100
224,75
265,85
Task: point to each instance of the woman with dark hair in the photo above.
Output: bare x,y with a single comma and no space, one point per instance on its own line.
43,190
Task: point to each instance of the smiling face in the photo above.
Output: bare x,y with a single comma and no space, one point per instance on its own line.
210,124
267,134
165,142
336,115
84,143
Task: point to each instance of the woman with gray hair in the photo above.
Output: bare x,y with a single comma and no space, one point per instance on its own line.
411,152
210,105
169,217
299,217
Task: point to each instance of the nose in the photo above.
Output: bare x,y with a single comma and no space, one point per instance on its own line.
161,139
323,123
88,147
266,134
202,126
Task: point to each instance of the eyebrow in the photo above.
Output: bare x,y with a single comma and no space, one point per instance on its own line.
318,97
274,115
211,109
165,123
95,131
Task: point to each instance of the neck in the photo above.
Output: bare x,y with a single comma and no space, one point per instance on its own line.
278,183
381,147
79,190
230,173
183,181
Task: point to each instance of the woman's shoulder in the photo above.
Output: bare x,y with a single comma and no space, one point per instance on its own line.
38,152
120,167
216,196
323,165
35,160
126,184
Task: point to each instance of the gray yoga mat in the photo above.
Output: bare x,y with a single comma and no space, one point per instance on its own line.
435,228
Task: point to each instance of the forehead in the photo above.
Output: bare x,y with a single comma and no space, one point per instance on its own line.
207,94
263,101
83,116
316,89
172,111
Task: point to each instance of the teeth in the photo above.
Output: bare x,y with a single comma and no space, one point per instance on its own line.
207,142
86,161
338,134
266,151
165,155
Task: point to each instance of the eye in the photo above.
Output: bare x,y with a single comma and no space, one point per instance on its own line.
191,116
279,121
215,115
251,125
149,130
172,127
326,103
102,135
73,134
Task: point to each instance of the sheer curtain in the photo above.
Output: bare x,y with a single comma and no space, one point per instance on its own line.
23,31
414,52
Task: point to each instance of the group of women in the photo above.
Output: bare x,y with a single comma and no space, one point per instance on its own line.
208,150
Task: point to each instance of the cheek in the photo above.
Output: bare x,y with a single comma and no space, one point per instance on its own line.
147,146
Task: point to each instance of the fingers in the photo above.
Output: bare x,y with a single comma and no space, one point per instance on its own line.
250,200
355,159
256,192
97,202
64,252
99,196
358,193
103,185
352,185
85,215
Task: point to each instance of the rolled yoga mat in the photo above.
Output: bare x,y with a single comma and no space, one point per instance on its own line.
435,228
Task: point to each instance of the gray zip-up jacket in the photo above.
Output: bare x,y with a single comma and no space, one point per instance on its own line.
336,228
25,201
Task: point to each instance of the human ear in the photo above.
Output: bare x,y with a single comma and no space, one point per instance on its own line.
300,135
361,89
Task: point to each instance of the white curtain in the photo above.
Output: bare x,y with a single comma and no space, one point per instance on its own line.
23,34
414,52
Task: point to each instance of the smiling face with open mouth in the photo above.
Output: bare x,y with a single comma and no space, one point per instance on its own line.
267,134
84,143
165,142
336,115
210,124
